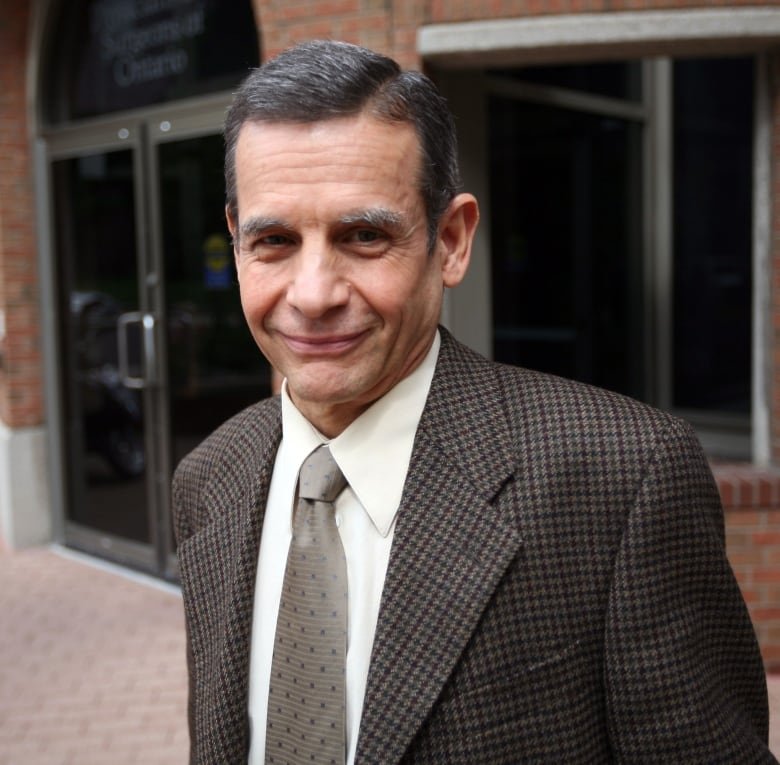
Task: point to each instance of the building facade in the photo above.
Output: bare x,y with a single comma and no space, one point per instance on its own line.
625,154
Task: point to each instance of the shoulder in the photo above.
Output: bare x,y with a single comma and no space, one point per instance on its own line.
544,402
227,462
558,405
239,437
574,456
588,433
547,419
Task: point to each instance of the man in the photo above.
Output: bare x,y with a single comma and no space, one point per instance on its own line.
535,569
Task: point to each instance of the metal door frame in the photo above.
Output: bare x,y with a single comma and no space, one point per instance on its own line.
118,134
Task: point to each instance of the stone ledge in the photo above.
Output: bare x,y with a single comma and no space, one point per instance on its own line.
577,36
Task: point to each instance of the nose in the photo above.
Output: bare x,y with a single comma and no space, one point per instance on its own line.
318,285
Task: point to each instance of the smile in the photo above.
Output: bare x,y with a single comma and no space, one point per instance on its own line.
323,345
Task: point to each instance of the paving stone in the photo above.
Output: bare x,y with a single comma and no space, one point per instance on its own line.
92,665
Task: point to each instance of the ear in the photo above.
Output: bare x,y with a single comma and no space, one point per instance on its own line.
456,234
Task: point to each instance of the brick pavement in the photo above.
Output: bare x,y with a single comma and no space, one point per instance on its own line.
92,665
92,668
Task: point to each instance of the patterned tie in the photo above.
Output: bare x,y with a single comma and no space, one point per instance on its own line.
306,700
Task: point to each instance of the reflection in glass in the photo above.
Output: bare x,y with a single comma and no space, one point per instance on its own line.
96,248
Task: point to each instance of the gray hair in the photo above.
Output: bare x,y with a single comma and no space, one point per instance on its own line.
324,79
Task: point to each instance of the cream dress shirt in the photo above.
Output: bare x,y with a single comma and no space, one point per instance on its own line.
373,453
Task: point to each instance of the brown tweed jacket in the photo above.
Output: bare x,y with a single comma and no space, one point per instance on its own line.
558,590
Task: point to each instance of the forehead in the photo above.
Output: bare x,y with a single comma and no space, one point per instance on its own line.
357,158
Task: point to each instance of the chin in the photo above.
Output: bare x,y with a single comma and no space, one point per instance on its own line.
321,393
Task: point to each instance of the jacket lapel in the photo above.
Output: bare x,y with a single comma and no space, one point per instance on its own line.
451,546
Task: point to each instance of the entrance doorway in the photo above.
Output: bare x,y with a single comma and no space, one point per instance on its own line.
151,351
154,351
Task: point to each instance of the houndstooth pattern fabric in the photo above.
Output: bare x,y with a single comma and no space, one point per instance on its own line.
557,590
307,697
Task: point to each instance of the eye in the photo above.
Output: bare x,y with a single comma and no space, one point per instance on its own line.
365,236
267,246
273,240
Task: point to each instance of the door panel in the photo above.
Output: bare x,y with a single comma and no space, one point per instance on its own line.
214,367
105,456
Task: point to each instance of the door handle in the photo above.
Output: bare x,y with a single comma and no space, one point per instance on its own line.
148,349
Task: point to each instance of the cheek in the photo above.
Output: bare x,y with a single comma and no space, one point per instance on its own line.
397,287
424,297
257,295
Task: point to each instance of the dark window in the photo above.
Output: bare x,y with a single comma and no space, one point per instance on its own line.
614,80
567,226
713,129
566,231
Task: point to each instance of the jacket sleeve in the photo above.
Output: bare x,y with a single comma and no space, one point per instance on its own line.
683,673
183,495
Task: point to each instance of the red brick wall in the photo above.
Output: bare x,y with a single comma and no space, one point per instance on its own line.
20,375
751,500
383,25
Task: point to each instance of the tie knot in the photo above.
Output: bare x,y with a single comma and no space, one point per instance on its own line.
321,479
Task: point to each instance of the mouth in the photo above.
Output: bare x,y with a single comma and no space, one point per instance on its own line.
318,346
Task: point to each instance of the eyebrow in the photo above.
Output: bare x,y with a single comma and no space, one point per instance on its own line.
258,224
376,217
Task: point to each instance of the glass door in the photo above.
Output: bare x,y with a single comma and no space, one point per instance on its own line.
107,347
154,350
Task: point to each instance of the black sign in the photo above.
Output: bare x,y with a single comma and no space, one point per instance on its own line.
124,54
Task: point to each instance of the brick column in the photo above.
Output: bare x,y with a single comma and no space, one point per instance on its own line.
25,516
21,401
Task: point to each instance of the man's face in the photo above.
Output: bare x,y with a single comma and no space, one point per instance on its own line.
336,283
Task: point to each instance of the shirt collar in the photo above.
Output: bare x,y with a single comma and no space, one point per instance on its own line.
375,450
